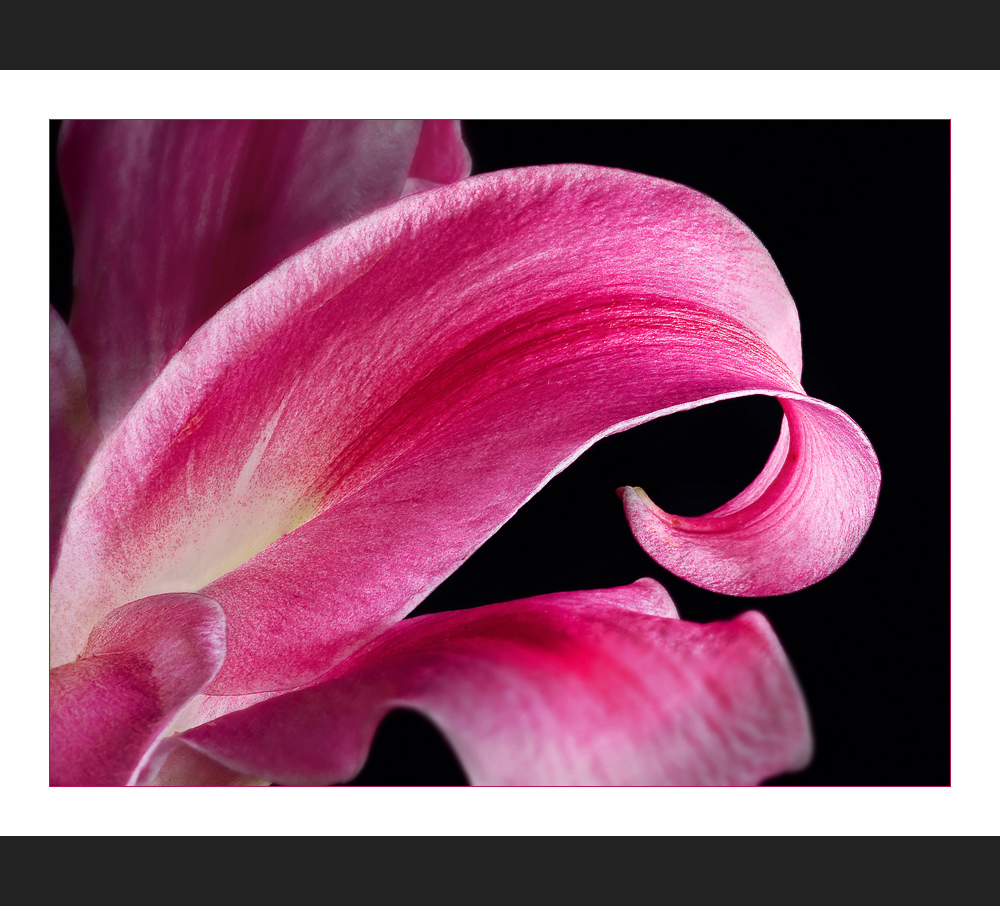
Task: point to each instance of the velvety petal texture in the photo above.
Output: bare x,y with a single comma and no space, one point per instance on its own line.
338,440
73,435
600,687
142,664
171,220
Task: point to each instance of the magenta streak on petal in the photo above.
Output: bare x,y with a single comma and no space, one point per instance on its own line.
172,219
143,663
572,688
359,421
73,436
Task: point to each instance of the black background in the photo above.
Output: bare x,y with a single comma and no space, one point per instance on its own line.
856,216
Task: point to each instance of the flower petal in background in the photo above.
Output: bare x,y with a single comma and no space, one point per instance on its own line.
171,220
441,157
143,663
602,687
73,436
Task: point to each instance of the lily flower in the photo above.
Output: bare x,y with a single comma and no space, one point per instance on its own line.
325,365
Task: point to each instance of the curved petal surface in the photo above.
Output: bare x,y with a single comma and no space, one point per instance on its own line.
171,220
599,687
73,436
142,664
337,441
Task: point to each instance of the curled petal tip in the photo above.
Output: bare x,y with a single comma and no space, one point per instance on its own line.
797,523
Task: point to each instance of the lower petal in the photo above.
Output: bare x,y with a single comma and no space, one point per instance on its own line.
602,687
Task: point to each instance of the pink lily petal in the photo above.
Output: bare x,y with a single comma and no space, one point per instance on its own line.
572,688
73,436
172,219
143,663
332,445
